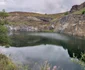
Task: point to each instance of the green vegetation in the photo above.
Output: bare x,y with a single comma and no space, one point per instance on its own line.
6,64
66,13
3,29
4,40
3,14
37,14
80,61
18,22
82,11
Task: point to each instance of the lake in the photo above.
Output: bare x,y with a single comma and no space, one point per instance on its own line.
34,49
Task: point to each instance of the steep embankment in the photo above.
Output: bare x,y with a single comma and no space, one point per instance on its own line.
72,25
74,22
25,21
77,9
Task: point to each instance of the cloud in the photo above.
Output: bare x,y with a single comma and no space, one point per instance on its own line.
42,6
2,2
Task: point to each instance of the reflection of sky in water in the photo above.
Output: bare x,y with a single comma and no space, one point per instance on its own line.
53,54
51,35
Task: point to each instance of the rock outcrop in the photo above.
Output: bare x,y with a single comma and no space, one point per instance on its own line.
25,21
72,25
77,7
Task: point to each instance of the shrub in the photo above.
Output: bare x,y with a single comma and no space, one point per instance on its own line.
66,13
3,29
3,14
4,39
80,61
83,12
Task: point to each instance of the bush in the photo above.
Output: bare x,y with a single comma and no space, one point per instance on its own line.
3,14
66,13
3,29
4,39
80,61
83,12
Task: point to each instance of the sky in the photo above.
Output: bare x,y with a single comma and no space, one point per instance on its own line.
39,6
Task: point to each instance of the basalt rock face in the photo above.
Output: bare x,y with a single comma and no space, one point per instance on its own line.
77,7
72,25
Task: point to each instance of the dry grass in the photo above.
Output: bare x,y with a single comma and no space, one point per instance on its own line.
6,64
36,14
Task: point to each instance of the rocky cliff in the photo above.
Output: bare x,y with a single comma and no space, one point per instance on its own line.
25,21
28,21
77,7
72,24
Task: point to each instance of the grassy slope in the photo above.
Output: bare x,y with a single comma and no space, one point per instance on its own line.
79,11
37,14
6,64
23,22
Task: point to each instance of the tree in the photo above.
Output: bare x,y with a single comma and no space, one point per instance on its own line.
4,40
3,14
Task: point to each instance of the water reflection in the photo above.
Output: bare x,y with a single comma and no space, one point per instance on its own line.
73,44
55,55
51,36
34,49
25,39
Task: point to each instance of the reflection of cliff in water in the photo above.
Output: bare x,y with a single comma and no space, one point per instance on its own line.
73,44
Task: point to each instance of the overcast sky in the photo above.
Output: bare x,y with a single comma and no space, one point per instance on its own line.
41,6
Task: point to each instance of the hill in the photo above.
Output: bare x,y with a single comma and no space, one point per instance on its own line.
71,22
78,9
28,21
